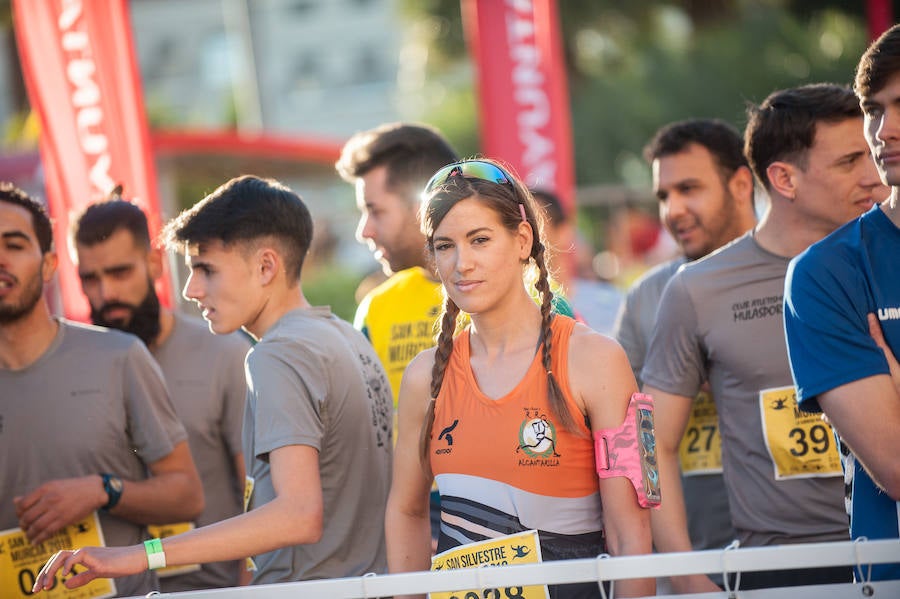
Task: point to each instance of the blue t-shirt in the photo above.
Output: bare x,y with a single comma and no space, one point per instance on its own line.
829,290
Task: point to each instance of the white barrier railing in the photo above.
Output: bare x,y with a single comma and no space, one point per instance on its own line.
859,554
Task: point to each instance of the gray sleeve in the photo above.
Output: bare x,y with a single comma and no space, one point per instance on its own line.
153,426
675,361
289,386
234,391
627,331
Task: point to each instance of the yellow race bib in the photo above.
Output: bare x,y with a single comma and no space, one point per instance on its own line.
700,451
801,444
20,562
249,483
520,548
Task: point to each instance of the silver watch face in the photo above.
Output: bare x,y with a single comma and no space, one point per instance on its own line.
115,483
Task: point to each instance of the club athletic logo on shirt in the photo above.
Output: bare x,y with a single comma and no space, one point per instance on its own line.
537,440
758,307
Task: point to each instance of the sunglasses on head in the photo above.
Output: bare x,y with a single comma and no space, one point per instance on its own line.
476,169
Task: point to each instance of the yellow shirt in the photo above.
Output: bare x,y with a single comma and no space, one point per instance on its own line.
399,317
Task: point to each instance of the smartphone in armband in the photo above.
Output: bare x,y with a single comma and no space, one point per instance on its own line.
647,451
634,451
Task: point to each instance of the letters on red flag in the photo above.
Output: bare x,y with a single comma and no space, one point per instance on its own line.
523,90
82,79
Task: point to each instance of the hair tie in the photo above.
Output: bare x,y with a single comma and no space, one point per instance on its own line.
522,212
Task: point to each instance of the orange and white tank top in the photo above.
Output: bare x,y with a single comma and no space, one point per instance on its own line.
506,465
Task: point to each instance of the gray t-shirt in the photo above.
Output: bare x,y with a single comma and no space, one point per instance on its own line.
94,402
705,496
205,377
637,315
314,380
720,319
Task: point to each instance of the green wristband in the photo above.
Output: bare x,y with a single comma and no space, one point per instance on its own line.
156,557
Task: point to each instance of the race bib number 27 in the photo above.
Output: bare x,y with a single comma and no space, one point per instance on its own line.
700,451
20,562
801,444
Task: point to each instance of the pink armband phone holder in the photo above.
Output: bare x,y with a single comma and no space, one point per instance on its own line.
630,451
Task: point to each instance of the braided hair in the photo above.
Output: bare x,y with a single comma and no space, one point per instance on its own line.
505,200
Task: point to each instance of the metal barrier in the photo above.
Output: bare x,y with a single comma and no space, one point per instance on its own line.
859,554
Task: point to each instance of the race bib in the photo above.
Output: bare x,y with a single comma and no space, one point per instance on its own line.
520,548
161,531
700,451
801,444
20,562
249,482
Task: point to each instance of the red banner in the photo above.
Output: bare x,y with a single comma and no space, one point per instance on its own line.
83,82
523,91
880,16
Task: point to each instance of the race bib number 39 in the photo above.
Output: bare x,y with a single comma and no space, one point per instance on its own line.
801,444
520,548
20,561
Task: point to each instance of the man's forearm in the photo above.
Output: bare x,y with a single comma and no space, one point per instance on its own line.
172,493
162,499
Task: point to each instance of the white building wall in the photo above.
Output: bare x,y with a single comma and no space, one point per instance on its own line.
325,68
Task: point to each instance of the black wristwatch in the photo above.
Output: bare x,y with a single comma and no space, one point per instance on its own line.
112,484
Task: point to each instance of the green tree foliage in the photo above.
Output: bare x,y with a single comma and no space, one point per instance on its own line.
623,89
635,66
335,288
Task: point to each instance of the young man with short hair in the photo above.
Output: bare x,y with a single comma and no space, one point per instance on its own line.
317,425
720,320
389,166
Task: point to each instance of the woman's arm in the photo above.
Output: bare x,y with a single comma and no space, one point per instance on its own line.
407,524
604,399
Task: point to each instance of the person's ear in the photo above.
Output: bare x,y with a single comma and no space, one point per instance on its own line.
155,263
740,185
268,263
783,179
49,261
525,239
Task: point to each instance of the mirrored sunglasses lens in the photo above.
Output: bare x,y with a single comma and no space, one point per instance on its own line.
439,177
475,169
485,171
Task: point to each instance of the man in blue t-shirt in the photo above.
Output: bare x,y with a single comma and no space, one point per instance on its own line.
842,317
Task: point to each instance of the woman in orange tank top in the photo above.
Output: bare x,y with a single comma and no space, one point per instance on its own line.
502,414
